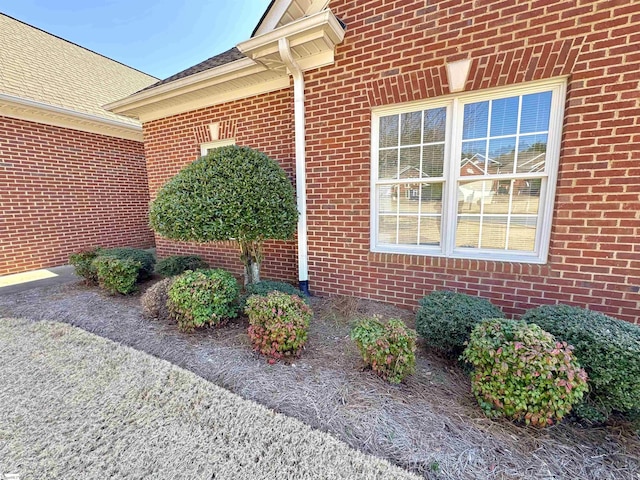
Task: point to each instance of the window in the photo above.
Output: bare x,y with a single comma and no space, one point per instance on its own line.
468,176
206,147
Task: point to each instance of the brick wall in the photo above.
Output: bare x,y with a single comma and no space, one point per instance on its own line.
396,52
63,190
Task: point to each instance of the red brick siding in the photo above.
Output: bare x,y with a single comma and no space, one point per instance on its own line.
63,190
395,52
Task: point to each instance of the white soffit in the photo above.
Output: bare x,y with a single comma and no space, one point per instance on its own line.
312,41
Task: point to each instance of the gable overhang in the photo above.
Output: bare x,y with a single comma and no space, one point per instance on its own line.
312,40
38,112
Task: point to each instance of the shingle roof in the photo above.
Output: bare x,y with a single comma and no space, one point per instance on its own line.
223,58
36,65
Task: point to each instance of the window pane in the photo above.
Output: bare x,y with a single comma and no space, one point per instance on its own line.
473,158
476,120
387,199
532,153
410,162
468,232
502,153
522,234
432,160
473,195
409,197
410,131
504,116
536,109
387,228
526,195
435,124
389,131
430,231
388,164
408,231
431,195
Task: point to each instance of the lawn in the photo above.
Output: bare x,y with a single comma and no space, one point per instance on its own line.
430,425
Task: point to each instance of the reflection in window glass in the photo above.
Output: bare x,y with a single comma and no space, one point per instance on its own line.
389,131
476,120
411,128
536,110
504,116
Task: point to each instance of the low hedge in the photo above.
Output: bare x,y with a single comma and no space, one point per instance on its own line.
388,348
445,319
607,348
117,275
203,297
84,267
177,264
146,259
522,373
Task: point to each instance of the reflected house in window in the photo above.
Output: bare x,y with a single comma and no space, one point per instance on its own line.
411,191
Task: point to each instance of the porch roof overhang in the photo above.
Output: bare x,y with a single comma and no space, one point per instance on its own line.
312,40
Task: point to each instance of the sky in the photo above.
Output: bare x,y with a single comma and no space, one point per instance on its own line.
158,37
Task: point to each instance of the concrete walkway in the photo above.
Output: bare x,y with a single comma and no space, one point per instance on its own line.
43,278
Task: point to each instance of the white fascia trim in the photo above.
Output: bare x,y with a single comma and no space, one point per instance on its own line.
269,41
33,110
273,16
178,87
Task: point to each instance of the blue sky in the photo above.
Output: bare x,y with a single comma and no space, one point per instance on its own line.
159,37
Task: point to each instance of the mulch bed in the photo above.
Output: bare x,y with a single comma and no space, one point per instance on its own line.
430,425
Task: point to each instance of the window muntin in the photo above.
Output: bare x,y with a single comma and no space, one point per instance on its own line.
495,201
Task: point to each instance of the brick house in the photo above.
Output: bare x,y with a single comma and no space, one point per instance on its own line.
514,126
72,175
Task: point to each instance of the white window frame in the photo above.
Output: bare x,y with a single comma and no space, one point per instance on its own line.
453,144
205,147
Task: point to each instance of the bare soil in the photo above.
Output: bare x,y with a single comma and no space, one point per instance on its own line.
430,425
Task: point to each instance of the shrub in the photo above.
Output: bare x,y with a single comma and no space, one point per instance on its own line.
143,257
278,324
154,300
233,193
521,372
117,275
389,349
607,348
177,264
445,319
83,263
263,287
203,297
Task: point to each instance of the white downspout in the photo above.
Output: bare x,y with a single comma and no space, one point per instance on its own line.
301,174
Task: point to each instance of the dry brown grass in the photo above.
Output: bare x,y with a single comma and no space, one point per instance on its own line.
431,424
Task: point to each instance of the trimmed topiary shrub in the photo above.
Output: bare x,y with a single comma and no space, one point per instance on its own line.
522,373
117,275
83,263
607,348
233,193
278,324
177,264
445,319
144,258
154,300
389,349
264,287
203,297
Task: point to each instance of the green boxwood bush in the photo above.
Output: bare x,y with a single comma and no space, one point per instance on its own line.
278,324
146,259
264,287
177,264
84,267
445,319
154,300
117,275
522,373
607,348
203,297
389,349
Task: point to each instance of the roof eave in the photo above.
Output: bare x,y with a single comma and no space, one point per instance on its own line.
262,67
